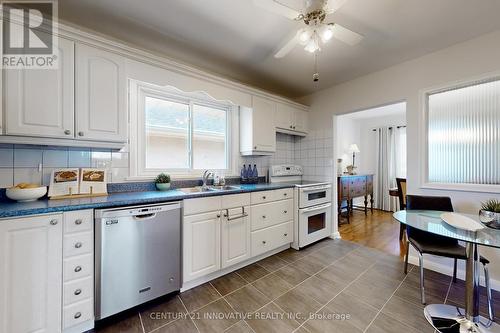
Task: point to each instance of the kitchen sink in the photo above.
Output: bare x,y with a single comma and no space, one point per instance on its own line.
197,189
225,187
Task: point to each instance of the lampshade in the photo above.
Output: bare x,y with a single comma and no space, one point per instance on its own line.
353,148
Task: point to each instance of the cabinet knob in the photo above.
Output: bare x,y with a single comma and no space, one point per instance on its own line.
81,133
285,211
77,315
291,126
78,245
78,292
218,215
285,234
53,222
263,242
255,147
78,221
78,269
67,132
263,216
284,194
171,279
264,197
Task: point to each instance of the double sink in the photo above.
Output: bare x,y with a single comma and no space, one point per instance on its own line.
201,189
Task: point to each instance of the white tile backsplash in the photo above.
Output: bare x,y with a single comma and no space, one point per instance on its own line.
27,175
55,158
79,158
6,177
25,158
6,158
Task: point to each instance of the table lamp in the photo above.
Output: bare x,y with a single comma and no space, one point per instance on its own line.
353,148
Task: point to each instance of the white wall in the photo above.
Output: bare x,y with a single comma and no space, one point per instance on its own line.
403,83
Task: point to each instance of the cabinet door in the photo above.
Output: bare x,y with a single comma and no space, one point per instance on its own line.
100,95
284,116
201,245
235,236
264,130
301,121
31,274
40,102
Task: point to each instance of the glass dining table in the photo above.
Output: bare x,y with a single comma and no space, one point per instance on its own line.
447,318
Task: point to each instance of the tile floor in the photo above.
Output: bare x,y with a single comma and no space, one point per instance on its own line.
331,286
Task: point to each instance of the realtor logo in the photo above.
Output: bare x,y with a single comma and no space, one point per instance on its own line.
29,34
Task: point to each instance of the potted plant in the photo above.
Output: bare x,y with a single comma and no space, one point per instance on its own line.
490,213
162,182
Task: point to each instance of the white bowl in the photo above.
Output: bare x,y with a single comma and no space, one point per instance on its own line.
26,194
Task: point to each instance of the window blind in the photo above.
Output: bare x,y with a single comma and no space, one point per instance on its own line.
463,134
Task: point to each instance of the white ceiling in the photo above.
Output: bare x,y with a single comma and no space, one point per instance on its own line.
236,39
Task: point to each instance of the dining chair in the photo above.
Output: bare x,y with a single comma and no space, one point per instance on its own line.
401,183
428,243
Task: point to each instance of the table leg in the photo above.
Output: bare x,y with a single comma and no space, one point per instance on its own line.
366,204
444,318
371,203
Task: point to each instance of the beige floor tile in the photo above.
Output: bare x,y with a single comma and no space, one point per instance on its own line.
272,319
252,272
228,283
272,285
215,317
247,299
199,296
292,275
161,312
295,301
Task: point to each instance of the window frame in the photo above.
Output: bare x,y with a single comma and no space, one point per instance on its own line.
138,93
423,128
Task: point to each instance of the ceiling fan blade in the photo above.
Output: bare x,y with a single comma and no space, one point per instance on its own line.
334,5
277,8
287,47
345,35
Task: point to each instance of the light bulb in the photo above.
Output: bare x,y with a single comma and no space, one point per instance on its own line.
304,35
326,34
312,46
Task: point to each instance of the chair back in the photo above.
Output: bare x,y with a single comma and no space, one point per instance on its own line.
401,182
422,202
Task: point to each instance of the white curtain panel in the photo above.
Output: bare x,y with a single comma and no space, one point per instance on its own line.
391,163
464,134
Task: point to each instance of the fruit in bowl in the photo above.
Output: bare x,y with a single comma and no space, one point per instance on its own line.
25,192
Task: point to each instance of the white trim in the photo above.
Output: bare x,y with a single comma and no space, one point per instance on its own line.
69,31
423,134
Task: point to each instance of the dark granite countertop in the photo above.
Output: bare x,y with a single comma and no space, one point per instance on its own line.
43,206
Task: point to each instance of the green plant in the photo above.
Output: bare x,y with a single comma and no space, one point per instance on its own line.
162,178
492,205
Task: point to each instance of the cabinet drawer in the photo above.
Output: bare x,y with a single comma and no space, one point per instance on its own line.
78,290
202,205
76,244
268,196
268,214
235,200
78,221
271,238
78,313
78,267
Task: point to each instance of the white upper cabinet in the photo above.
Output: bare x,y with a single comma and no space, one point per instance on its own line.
291,120
101,92
257,127
40,102
31,274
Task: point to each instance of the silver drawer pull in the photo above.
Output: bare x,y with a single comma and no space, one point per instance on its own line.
263,242
78,245
78,222
77,315
53,222
78,269
78,292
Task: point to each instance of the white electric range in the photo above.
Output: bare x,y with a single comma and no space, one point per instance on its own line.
312,203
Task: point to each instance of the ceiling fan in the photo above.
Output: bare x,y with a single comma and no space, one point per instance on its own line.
315,32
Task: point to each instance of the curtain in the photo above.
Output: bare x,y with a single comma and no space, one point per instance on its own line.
391,163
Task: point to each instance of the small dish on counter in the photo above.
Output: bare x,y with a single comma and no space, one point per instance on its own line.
26,192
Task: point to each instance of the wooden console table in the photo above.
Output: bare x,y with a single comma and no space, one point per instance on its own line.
354,186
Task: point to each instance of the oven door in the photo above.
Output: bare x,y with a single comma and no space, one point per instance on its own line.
314,195
315,223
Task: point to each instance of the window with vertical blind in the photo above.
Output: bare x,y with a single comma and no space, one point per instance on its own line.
463,127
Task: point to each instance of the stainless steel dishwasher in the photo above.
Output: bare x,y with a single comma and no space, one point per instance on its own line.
137,256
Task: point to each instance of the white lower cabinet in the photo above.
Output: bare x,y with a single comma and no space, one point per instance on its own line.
45,285
223,231
201,245
31,274
235,236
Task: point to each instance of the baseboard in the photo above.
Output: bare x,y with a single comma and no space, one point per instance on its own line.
335,235
448,270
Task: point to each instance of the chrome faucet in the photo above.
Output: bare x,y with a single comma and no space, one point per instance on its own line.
204,178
